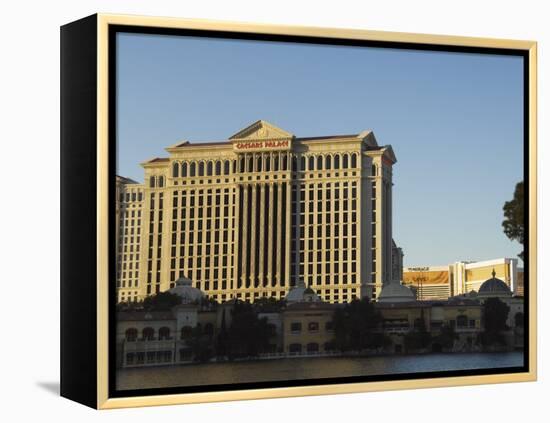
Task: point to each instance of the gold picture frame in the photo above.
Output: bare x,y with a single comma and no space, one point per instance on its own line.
97,34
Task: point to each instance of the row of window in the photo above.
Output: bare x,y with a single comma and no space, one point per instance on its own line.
130,196
311,347
164,333
263,163
296,327
149,357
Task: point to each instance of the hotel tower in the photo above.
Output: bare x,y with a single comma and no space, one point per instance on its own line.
257,214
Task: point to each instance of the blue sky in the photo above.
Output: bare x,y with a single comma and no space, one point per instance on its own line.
454,120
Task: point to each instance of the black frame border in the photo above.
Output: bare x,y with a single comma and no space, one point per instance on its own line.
113,30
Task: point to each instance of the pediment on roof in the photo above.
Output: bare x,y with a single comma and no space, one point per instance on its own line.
261,130
389,154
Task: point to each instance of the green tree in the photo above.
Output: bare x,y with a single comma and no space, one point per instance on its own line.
248,335
514,218
201,344
163,301
355,326
495,314
419,337
446,337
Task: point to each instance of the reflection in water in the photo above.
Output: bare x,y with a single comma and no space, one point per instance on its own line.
307,368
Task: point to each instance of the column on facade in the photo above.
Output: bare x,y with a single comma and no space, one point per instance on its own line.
279,188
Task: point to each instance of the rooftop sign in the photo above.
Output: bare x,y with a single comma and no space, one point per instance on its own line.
261,145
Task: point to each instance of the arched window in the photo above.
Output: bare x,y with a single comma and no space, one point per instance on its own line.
209,169
276,162
250,164
186,332
161,181
241,165
337,161
176,169
328,162
319,162
259,163
209,329
354,160
312,347
226,167
201,168
294,163
302,163
152,182
148,334
164,333
218,168
192,169
462,321
345,161
311,163
131,334
267,163
184,169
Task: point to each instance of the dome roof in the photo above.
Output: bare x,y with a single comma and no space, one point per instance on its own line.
184,288
301,293
395,292
494,287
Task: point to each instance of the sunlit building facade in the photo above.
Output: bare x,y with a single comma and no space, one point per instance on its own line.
128,218
256,214
442,282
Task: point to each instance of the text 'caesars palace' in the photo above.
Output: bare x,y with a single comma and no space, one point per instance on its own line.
257,214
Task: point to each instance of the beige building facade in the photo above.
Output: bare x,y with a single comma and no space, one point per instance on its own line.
254,215
128,218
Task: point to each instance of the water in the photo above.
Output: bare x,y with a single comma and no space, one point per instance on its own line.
307,368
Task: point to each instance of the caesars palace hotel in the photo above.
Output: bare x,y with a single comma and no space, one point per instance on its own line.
255,215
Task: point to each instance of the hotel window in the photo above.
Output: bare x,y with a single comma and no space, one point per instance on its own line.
175,169
337,161
311,163
328,162
148,334
296,327
152,181
161,181
131,334
201,168
164,333
313,326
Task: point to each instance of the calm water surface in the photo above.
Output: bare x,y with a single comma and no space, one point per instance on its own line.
307,368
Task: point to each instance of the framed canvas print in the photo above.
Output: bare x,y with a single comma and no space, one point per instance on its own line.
255,211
